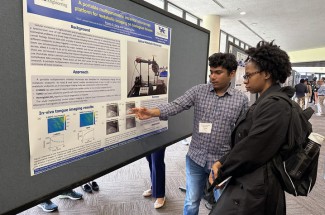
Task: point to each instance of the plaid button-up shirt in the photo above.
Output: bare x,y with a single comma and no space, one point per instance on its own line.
221,111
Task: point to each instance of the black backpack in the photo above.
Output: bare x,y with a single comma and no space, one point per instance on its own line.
296,164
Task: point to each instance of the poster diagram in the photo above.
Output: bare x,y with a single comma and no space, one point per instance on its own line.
112,126
129,106
86,136
55,142
147,70
130,122
87,66
241,56
87,119
56,124
112,110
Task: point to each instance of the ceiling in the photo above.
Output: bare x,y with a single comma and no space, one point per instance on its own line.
293,24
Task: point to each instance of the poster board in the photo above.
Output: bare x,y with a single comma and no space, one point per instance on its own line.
188,61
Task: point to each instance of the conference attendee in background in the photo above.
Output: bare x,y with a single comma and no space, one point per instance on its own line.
157,175
49,206
90,187
256,139
308,95
217,107
321,97
301,89
313,88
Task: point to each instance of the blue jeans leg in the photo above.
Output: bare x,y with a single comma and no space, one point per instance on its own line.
196,177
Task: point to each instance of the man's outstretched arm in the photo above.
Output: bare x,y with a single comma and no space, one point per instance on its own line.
145,113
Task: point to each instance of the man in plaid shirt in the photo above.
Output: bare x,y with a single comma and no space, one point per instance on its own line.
217,107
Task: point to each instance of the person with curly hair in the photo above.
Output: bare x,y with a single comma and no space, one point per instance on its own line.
257,137
217,107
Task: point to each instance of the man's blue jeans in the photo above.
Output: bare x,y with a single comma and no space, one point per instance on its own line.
196,178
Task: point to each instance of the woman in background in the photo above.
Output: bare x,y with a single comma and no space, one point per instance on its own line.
157,175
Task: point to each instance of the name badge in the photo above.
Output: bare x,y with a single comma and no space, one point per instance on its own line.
205,128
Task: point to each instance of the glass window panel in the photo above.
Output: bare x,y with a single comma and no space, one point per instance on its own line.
191,18
158,3
223,42
175,10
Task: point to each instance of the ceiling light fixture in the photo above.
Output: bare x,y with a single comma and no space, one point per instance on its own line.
244,24
242,13
218,3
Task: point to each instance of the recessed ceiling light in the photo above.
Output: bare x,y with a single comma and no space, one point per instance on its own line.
254,23
242,13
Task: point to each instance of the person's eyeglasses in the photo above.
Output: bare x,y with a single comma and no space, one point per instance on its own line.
249,75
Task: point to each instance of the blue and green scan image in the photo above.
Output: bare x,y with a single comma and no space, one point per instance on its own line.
56,124
87,119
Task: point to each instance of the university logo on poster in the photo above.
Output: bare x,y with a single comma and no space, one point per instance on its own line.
61,5
161,31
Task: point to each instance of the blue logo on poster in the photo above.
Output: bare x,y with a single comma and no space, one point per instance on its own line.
162,30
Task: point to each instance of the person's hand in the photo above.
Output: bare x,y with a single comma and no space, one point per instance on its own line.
143,113
214,173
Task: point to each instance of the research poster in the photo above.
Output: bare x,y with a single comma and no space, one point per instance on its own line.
87,65
241,56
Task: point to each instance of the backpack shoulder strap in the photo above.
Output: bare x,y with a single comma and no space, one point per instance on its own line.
307,113
281,95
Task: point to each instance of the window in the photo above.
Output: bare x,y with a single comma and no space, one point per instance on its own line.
158,3
175,10
191,18
223,42
201,22
225,38
230,38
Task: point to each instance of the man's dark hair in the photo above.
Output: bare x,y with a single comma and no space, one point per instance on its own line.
225,60
302,80
271,59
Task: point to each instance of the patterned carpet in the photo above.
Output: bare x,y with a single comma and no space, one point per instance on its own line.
121,191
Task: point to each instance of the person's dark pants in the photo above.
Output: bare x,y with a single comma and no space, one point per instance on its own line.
157,173
312,98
